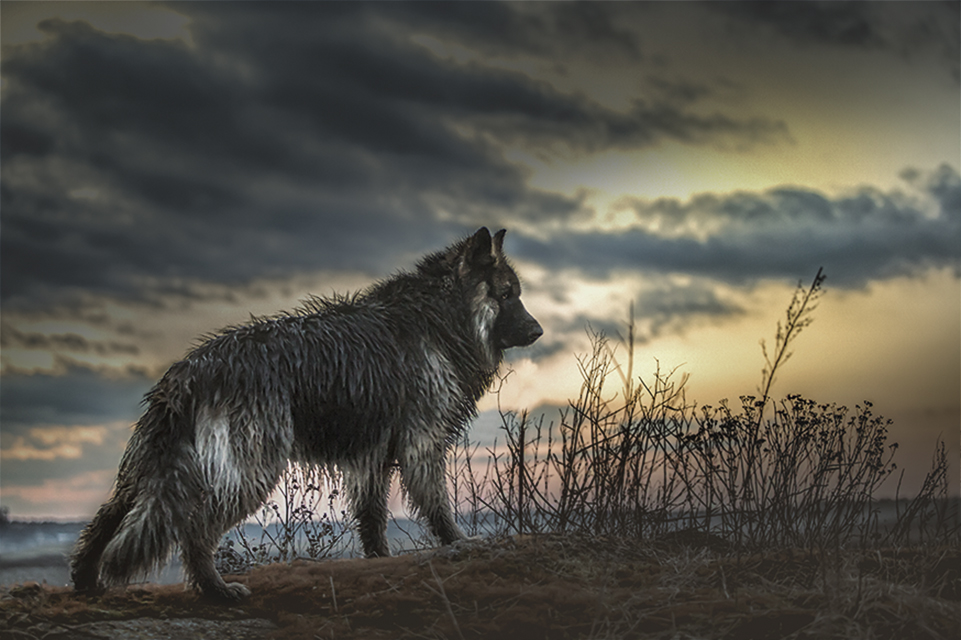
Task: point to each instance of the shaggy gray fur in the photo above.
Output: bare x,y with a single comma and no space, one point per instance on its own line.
362,384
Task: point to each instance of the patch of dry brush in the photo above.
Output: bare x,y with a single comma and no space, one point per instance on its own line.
544,586
640,461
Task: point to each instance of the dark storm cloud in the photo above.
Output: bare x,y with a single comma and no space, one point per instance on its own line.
12,337
538,28
74,395
671,306
292,137
34,457
36,473
908,29
837,23
781,233
662,308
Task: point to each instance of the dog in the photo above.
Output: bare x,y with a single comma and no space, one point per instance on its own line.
360,384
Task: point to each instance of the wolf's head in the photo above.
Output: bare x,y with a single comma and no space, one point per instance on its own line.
478,267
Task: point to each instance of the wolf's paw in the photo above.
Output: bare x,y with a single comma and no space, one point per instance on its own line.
96,589
226,593
466,540
85,577
237,591
460,546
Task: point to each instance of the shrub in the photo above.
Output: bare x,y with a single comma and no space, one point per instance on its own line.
642,462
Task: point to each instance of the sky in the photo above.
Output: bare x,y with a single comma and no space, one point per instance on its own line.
170,169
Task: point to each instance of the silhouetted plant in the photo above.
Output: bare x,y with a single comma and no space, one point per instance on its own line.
301,521
644,462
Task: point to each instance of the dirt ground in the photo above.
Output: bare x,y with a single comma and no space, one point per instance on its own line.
529,588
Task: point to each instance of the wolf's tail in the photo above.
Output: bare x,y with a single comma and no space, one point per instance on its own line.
160,477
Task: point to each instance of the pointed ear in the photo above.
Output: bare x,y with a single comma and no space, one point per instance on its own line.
478,252
499,242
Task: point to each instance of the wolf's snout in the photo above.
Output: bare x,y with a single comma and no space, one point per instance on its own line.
516,328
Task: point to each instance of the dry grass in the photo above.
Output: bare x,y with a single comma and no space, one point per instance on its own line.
631,457
554,586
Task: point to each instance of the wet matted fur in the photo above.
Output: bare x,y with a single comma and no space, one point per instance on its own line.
382,379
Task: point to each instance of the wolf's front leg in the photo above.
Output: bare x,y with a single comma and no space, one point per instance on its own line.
367,487
425,475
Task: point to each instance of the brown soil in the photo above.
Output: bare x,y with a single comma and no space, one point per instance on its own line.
532,587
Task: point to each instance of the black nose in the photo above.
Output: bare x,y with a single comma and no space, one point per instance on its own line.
535,332
532,333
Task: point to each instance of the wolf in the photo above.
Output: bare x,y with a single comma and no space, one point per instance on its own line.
362,384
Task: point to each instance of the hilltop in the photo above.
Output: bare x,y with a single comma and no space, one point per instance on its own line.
543,586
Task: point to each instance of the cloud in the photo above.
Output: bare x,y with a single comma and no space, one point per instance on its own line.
51,443
541,29
74,395
36,456
784,233
59,426
908,29
836,23
297,137
671,307
74,496
12,337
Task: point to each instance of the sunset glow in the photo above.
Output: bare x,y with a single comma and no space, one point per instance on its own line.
170,169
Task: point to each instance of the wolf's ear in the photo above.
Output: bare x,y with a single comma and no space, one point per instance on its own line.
478,252
499,242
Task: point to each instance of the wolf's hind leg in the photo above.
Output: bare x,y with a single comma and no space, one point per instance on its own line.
197,550
367,489
85,561
202,534
424,475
